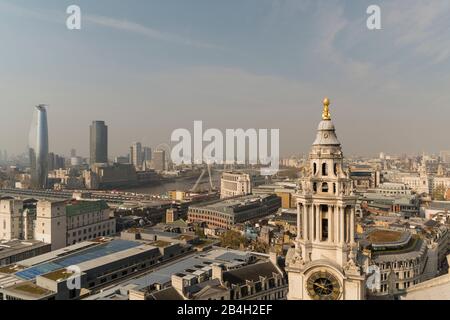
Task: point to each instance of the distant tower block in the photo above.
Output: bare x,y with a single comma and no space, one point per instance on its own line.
38,148
171,215
98,142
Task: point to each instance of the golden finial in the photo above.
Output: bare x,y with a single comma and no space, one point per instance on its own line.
326,110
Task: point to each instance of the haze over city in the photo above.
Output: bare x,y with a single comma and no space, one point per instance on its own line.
140,65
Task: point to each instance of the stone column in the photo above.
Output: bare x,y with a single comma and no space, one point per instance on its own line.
336,223
311,222
352,226
320,223
306,221
330,223
317,222
300,209
348,224
341,225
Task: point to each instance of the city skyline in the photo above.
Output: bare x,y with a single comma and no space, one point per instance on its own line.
272,66
224,151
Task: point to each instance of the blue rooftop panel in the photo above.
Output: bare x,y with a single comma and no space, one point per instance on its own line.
77,258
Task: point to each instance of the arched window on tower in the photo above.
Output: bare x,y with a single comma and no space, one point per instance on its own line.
315,186
335,169
324,169
334,188
324,187
315,168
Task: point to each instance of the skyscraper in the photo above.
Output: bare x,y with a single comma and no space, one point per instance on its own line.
159,160
146,154
38,148
99,142
136,155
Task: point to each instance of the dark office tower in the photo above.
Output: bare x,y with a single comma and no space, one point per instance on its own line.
51,161
146,154
60,162
159,160
38,148
99,142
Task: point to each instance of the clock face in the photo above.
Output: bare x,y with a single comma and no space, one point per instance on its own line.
323,285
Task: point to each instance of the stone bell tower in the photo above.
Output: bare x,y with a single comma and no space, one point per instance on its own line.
323,265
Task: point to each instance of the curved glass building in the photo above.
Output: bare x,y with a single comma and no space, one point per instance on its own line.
38,148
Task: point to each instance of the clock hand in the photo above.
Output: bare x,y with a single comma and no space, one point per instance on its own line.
321,286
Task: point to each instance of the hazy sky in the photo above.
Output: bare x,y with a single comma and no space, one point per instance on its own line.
147,67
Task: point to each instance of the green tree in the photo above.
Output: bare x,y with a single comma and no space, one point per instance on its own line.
439,193
233,239
260,247
200,232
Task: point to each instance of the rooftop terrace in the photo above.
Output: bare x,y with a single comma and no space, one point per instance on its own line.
59,275
30,289
384,236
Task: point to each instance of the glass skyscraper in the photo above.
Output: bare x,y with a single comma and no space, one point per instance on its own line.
38,148
99,142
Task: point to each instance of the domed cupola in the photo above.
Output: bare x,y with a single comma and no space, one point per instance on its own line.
326,132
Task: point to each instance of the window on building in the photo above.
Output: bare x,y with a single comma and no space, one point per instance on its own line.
324,169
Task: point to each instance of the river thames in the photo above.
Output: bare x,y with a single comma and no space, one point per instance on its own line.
182,185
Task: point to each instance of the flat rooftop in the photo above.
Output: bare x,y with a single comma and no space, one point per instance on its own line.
75,208
30,289
439,205
227,205
161,244
380,236
187,266
59,275
18,246
413,250
10,269
91,253
117,256
58,253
